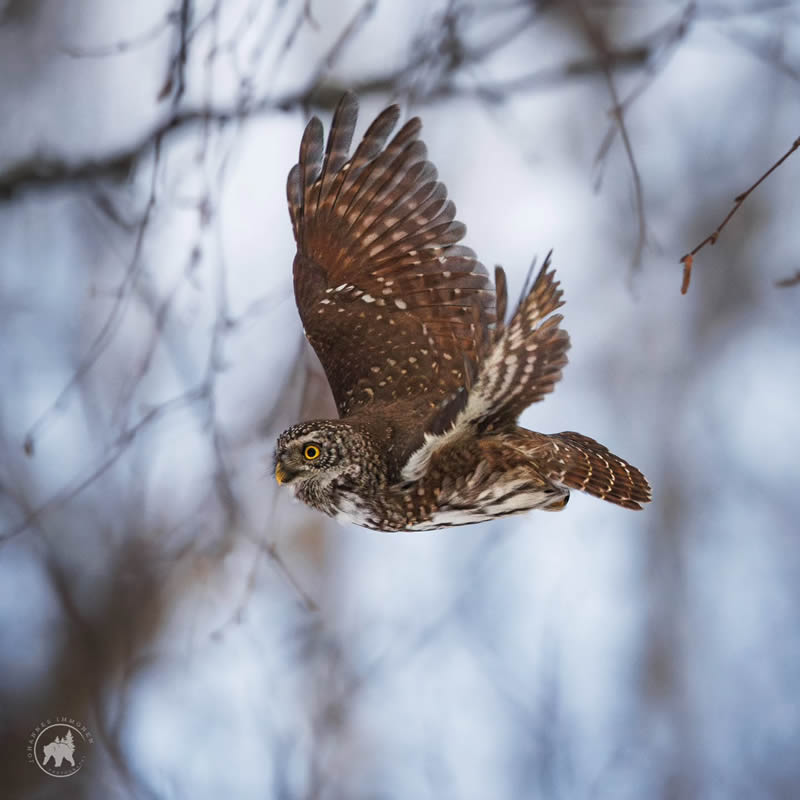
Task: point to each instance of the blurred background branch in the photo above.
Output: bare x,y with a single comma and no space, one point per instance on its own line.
218,639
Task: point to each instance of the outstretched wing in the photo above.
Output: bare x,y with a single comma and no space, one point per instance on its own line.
391,304
521,364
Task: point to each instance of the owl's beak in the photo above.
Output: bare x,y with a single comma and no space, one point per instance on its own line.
281,475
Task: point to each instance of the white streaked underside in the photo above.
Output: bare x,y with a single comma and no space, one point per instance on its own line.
349,510
495,501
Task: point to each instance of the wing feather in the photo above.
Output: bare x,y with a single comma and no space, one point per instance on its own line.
392,304
519,366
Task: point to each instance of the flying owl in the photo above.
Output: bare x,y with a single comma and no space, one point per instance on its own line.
428,376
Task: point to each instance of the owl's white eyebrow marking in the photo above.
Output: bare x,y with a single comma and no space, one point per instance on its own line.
311,436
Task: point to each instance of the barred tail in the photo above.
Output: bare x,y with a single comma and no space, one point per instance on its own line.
579,462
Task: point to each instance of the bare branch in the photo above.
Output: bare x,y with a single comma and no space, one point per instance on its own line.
792,280
106,333
359,19
123,45
118,447
310,16
617,112
737,204
662,43
771,53
179,62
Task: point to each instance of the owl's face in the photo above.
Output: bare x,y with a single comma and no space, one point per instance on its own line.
312,452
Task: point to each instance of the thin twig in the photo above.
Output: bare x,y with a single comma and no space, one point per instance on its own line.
182,55
119,446
792,280
661,45
737,203
618,114
114,318
355,24
124,45
310,16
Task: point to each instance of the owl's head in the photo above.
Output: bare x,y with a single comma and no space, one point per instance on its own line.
316,452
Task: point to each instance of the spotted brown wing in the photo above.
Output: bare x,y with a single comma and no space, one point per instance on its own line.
391,303
520,363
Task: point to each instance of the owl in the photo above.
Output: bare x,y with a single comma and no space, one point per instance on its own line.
428,373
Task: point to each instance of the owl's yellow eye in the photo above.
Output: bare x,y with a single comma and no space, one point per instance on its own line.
311,451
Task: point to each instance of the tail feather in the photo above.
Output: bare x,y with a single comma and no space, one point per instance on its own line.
579,462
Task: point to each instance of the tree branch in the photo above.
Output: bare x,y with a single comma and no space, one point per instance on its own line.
688,259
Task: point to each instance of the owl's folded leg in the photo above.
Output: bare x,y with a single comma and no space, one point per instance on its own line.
558,505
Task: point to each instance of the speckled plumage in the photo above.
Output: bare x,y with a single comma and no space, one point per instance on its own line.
428,377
